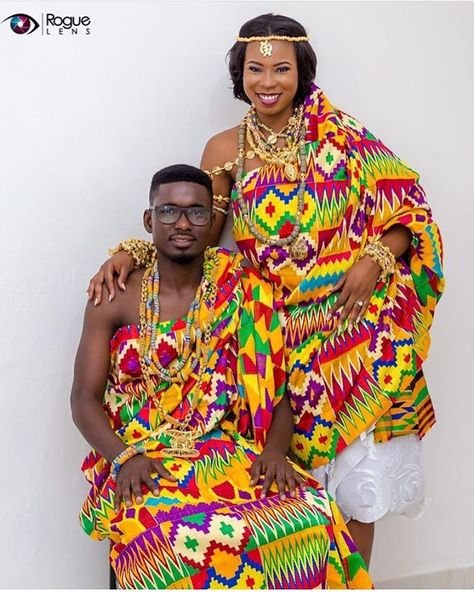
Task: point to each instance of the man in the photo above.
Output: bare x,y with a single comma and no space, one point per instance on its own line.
189,476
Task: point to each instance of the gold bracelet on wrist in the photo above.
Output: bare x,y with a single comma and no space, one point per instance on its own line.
221,210
143,252
382,255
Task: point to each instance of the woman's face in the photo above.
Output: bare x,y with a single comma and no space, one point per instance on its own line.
271,82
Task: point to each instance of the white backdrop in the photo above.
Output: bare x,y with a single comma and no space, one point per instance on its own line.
84,123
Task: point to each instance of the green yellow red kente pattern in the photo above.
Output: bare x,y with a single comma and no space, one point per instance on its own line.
210,529
340,384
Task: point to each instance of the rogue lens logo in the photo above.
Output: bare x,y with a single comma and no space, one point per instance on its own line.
66,24
51,24
22,24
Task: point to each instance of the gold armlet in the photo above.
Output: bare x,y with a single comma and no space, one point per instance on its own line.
381,255
229,165
143,252
221,210
217,170
221,199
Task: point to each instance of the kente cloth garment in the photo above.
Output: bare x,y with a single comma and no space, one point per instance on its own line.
210,529
340,384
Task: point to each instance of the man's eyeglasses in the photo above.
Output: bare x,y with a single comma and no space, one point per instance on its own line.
197,215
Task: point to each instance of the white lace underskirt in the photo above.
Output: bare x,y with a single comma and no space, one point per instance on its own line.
370,481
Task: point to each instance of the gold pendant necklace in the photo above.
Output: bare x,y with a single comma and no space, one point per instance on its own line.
182,444
299,249
291,172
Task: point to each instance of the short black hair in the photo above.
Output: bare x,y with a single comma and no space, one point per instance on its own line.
177,173
273,24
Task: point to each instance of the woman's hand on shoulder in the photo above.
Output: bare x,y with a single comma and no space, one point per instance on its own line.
121,264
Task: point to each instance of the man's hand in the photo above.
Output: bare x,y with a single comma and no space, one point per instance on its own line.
120,264
273,466
135,473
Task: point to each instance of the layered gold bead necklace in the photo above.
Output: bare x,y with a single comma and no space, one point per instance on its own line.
289,156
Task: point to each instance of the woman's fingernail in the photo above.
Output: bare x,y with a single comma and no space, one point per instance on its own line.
139,500
110,297
122,286
96,301
350,326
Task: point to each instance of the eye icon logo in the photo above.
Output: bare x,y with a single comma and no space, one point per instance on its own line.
22,24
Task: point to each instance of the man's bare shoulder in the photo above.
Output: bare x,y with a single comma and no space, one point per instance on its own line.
124,308
134,279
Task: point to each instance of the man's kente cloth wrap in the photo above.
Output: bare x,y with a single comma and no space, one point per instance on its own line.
210,529
339,385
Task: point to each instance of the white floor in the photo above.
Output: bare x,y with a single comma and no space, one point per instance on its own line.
461,579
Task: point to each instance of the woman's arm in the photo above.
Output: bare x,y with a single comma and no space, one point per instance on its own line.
397,239
215,155
120,266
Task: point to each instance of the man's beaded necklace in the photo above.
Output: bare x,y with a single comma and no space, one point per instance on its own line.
181,437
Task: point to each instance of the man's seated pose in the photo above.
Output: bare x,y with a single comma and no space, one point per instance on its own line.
189,474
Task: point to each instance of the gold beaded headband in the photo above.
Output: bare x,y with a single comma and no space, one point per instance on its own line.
265,45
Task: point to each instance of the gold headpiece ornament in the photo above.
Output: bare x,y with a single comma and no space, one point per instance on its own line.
265,45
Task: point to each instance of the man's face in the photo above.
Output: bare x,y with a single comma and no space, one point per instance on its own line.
180,241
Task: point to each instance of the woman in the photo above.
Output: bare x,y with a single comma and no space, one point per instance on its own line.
341,228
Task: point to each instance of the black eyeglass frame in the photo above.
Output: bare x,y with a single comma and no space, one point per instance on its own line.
182,210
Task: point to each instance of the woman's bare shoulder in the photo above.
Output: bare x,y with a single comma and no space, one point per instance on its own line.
228,136
221,148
